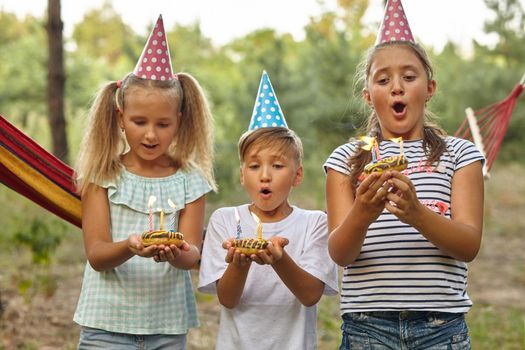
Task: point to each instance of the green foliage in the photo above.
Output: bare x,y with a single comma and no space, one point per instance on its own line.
42,238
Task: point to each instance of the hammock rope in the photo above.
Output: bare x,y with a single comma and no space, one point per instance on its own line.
491,126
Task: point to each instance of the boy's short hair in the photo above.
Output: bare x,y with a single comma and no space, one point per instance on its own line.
284,139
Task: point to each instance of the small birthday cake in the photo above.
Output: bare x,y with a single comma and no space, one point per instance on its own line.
162,237
378,164
398,163
249,246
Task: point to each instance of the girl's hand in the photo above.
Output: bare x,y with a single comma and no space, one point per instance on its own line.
371,195
272,253
234,256
170,253
136,247
402,199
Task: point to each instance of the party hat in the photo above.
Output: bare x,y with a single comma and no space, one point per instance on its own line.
267,111
155,61
395,24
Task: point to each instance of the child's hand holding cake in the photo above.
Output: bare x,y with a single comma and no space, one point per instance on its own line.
273,252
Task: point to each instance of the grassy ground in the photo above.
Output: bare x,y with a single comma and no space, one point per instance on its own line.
37,301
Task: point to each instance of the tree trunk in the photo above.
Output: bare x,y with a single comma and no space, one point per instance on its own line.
56,80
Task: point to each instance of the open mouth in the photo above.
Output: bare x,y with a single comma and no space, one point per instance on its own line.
399,107
265,191
149,146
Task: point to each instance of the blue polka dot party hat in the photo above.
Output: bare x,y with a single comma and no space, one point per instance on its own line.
267,111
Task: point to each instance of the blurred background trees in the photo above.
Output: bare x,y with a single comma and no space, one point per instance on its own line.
314,78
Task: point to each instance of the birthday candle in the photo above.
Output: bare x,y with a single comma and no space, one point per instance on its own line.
238,220
161,218
259,226
376,149
151,201
173,206
399,140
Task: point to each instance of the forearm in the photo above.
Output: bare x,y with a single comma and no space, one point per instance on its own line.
346,240
306,288
231,285
459,240
103,256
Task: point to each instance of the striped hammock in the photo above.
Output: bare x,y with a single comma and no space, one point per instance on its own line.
33,172
487,127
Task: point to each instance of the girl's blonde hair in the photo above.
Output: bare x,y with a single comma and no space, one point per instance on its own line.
99,159
433,135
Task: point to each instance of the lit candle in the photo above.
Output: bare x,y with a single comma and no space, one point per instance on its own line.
173,207
259,226
151,201
399,140
376,149
238,220
161,218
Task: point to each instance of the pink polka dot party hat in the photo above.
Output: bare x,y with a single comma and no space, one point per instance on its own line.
395,24
155,61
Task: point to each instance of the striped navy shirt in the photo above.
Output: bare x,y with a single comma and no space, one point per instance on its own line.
398,268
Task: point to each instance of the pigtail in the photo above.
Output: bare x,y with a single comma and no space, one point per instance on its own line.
433,140
98,159
193,145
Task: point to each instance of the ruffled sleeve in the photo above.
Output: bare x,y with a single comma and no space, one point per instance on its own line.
133,191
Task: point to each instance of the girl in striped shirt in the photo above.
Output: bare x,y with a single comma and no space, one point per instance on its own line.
404,237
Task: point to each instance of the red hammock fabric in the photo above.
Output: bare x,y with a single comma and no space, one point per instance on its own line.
493,122
30,170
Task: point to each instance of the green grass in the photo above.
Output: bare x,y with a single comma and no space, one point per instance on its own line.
496,328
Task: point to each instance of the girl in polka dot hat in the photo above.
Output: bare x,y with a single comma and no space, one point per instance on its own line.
148,136
404,237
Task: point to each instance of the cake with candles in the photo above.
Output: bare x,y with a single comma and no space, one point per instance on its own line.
161,236
249,246
378,164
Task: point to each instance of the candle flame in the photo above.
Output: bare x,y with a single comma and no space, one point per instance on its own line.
171,204
237,218
259,226
400,141
151,201
397,139
368,142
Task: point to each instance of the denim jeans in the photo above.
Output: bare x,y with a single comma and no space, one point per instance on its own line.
92,338
404,330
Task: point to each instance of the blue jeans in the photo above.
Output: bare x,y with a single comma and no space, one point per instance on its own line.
404,330
92,338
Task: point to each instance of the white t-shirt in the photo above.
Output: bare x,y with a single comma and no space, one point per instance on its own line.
268,316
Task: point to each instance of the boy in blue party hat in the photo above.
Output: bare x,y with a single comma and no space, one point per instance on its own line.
269,285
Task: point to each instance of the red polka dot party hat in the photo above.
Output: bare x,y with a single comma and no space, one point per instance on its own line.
395,24
155,61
